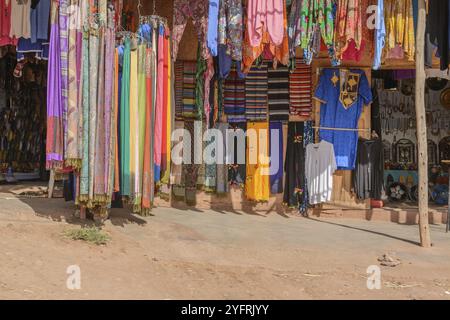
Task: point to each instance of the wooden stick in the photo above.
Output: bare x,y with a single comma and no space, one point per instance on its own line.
422,145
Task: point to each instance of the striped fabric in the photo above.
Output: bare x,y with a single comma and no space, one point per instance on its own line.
300,90
278,93
256,93
189,81
234,97
178,86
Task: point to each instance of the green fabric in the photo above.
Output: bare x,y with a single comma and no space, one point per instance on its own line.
125,122
200,83
84,174
142,116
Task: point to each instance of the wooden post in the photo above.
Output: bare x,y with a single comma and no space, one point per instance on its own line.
425,240
51,184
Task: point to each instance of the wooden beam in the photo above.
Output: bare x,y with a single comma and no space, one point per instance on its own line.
425,240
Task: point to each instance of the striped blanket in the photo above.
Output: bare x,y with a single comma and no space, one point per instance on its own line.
300,90
256,93
278,93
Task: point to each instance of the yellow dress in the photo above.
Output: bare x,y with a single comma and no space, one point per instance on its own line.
257,183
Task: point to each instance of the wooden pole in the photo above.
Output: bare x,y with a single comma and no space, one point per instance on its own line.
425,240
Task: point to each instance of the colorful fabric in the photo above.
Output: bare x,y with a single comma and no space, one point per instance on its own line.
278,93
317,22
189,83
294,27
342,95
276,157
234,97
256,89
257,164
400,38
265,16
125,187
213,17
230,33
198,11
300,86
178,87
55,126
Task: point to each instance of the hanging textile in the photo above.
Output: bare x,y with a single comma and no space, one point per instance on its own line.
317,22
278,93
349,26
368,175
55,125
295,166
256,88
198,11
265,16
190,170
222,185
294,27
234,97
230,30
178,83
276,157
73,157
379,36
257,168
342,94
300,86
400,38
5,25
189,71
125,121
438,34
237,168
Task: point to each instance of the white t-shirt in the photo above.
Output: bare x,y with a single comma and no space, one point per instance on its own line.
320,166
20,19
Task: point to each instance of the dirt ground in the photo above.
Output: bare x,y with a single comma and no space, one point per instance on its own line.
179,254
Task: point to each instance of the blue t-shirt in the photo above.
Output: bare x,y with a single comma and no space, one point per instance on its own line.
343,95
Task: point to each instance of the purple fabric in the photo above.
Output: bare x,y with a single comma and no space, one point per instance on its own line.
64,49
404,74
54,149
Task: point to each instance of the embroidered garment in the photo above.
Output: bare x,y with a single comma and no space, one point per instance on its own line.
343,94
294,166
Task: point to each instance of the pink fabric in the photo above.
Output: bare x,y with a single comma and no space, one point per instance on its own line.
265,15
396,53
159,102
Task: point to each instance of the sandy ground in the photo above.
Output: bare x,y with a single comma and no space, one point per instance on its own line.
213,255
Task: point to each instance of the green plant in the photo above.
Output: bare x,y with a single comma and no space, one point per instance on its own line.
89,234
